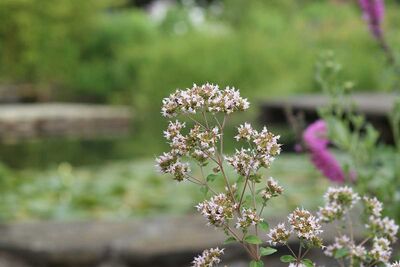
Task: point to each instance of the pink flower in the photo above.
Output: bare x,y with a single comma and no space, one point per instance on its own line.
373,13
315,138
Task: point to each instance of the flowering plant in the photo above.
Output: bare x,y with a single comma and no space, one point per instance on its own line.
237,207
371,167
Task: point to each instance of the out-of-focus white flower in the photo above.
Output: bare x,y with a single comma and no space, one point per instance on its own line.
385,227
381,250
373,206
209,258
337,202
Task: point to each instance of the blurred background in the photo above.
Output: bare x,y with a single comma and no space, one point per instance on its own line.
81,84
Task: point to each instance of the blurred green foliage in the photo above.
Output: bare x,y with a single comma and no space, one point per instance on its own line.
119,190
115,54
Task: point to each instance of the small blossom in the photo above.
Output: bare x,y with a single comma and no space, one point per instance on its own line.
249,217
279,235
218,210
273,189
338,202
165,161
385,227
209,258
244,162
381,250
179,170
245,132
394,264
306,226
267,143
373,206
174,128
342,242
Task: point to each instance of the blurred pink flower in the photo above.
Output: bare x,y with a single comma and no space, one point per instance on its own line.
373,13
315,138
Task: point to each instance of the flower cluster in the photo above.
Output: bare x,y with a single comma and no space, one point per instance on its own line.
395,264
303,224
207,98
209,257
337,202
306,226
273,189
170,163
248,161
381,250
344,242
384,230
249,217
373,206
218,210
279,235
384,227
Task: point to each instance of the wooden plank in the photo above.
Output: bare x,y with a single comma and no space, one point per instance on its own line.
377,104
27,121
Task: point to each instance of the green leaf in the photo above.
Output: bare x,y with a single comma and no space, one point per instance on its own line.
340,253
211,177
229,240
240,179
264,225
256,264
252,239
267,251
204,190
307,263
288,258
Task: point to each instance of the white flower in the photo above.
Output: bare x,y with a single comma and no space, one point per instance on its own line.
246,132
249,217
338,202
209,257
373,206
279,235
381,250
385,227
244,162
305,225
394,264
218,210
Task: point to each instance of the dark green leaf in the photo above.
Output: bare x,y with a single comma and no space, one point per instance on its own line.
288,258
307,263
211,177
264,225
252,239
229,240
256,264
267,251
340,253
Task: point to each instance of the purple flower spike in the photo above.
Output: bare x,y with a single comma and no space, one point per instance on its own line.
315,138
373,13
